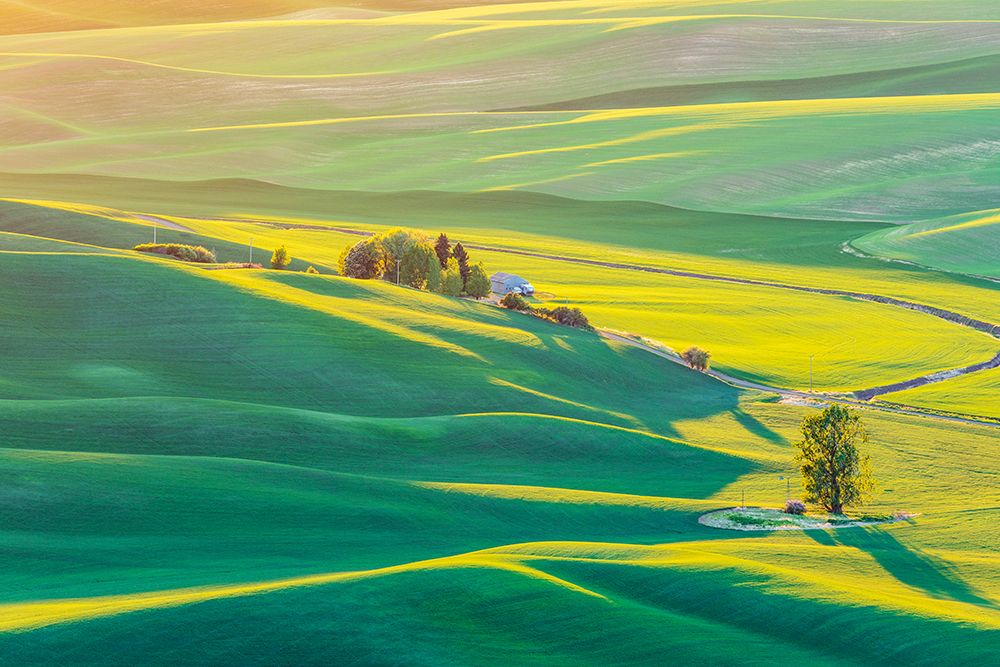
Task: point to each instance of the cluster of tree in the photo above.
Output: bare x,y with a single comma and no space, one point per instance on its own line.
571,317
185,253
696,358
406,257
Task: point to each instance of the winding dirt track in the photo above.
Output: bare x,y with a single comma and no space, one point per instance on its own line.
861,394
745,384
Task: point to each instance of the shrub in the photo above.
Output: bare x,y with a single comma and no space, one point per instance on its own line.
312,270
185,253
741,519
696,358
571,317
514,302
236,265
794,507
280,259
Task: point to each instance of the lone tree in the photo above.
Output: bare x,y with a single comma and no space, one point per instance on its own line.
280,259
462,257
443,250
478,284
835,473
696,358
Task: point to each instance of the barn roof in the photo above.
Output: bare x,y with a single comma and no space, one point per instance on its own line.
503,275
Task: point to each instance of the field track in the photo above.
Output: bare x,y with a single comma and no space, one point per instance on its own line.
746,384
948,315
866,394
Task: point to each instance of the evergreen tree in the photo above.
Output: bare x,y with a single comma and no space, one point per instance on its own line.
443,250
462,257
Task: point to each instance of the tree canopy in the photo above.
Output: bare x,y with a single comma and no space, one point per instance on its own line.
478,285
835,473
443,250
280,259
696,358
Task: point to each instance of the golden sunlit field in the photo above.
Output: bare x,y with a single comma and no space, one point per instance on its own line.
214,457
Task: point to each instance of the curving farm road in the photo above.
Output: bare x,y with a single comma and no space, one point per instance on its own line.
861,394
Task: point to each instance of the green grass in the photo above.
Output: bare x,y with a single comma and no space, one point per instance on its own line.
757,333
952,244
222,468
258,466
969,394
758,152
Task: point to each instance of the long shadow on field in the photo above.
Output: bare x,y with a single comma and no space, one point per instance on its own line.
758,428
909,565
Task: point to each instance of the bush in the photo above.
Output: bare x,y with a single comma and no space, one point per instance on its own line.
312,270
571,317
185,253
794,507
514,302
280,259
696,358
236,265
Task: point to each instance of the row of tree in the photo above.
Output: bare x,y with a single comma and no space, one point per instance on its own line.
407,257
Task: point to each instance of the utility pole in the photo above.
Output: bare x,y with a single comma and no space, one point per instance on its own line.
155,225
251,250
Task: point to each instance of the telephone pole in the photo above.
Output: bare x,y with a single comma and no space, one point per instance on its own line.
251,250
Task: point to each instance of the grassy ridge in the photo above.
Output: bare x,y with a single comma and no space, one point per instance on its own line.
773,344
249,480
285,114
952,244
271,467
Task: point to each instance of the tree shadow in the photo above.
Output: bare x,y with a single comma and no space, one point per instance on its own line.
910,566
758,428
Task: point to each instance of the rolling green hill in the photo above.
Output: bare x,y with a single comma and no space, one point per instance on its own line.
202,464
963,243
209,445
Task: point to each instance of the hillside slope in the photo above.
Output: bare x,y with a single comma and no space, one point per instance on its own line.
225,455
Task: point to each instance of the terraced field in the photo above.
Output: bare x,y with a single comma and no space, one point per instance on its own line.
204,465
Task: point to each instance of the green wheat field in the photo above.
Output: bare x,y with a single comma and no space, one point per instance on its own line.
206,464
